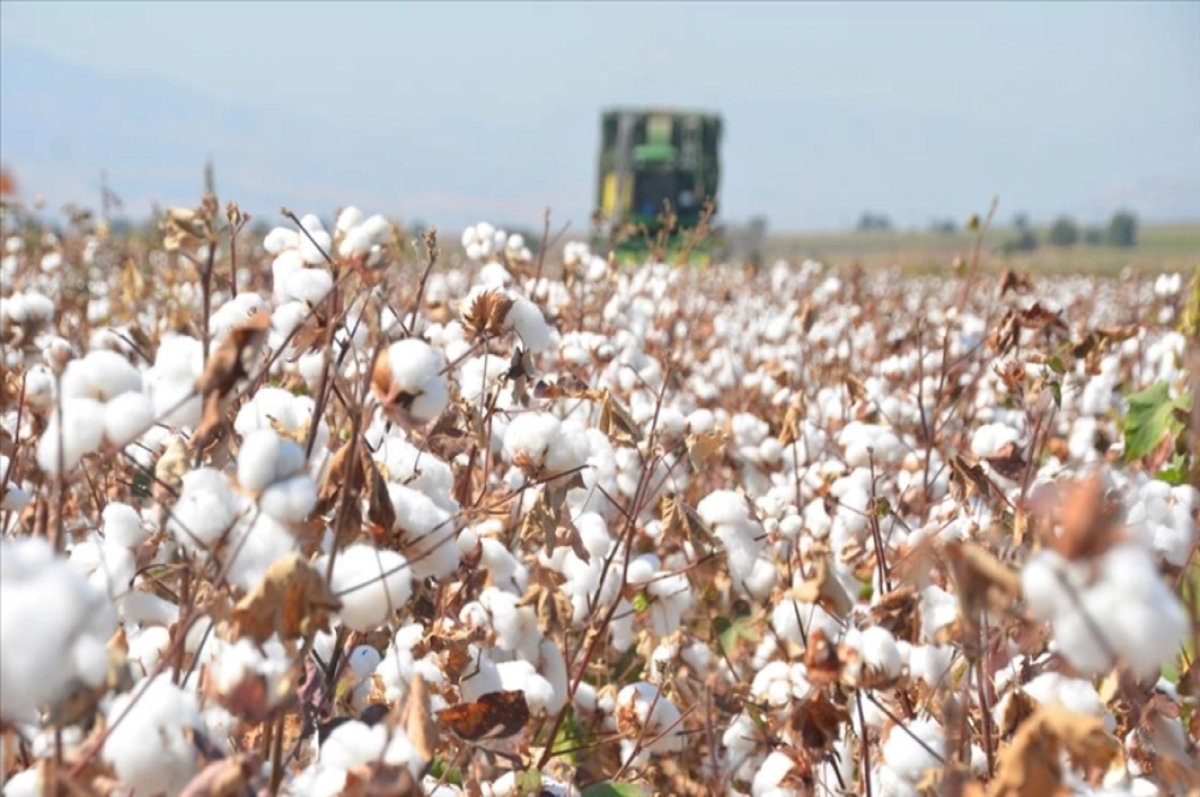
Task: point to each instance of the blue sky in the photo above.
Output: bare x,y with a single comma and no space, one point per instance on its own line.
914,110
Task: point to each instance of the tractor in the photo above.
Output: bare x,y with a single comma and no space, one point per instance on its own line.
659,171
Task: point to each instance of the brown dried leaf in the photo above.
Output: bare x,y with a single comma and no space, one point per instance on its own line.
1030,766
824,588
616,423
796,412
417,719
703,447
381,780
1008,461
967,479
292,600
680,520
228,777
817,721
233,360
485,317
1088,524
984,582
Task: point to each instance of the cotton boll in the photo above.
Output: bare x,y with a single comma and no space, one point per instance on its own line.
290,500
205,510
371,583
51,620
909,758
82,431
309,285
280,239
880,653
409,383
348,219
526,319
127,417
520,674
314,246
254,546
101,375
265,457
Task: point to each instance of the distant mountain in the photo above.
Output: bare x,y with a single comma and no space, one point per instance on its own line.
805,163
61,124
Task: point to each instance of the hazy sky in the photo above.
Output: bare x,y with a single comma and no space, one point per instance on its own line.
1075,106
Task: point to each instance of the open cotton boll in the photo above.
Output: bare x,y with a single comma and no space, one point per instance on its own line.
428,532
50,621
205,511
907,757
543,440
520,674
348,219
265,458
372,585
101,375
408,381
254,546
80,428
150,749
171,382
526,319
280,239
642,704
127,417
234,313
309,285
290,500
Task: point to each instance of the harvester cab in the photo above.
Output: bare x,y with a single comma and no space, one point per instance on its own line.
659,172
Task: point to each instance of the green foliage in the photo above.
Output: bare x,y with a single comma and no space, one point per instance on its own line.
873,221
613,790
1063,232
1152,414
1122,229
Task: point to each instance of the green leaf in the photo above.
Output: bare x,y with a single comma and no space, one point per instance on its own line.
1056,365
1151,415
640,602
1176,473
613,790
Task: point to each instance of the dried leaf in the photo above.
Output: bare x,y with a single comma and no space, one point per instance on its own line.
984,583
1088,524
418,721
797,411
1031,765
235,359
680,520
228,777
616,423
703,447
1008,461
292,600
486,314
823,588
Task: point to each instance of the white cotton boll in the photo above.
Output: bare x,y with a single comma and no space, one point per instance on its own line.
205,511
127,417
908,757
265,457
521,675
416,371
82,432
257,545
879,652
938,609
51,621
178,362
723,507
526,319
122,526
149,749
516,626
348,219
314,246
371,583
234,313
101,375
363,660
768,778
428,532
309,285
290,500
789,616
279,239
27,783
655,712
283,266
146,648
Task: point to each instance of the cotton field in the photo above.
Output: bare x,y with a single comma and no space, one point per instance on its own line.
338,511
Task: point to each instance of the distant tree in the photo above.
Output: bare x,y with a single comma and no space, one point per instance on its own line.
944,226
1063,232
1094,236
1024,241
873,221
1122,229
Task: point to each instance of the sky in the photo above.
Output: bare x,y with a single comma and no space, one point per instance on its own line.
456,111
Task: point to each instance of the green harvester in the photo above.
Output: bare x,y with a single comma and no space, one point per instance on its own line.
656,196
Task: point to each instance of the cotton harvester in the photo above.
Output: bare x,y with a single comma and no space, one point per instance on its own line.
659,172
